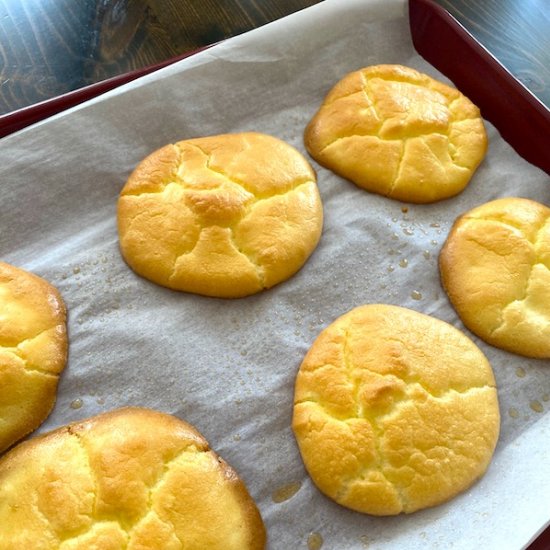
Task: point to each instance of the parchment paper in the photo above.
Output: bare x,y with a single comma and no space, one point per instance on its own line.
228,367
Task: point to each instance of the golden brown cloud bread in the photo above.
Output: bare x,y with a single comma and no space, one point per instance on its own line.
495,267
130,479
394,411
33,351
222,216
399,133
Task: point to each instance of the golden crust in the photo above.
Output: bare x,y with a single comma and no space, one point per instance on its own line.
33,351
132,478
394,411
495,268
399,133
224,216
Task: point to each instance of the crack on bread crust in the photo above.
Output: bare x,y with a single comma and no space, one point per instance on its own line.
532,240
452,105
4,344
143,213
208,166
525,296
483,245
370,100
516,228
92,474
244,185
443,396
38,511
28,367
349,368
398,168
260,269
350,136
539,232
162,478
169,177
130,528
180,254
140,194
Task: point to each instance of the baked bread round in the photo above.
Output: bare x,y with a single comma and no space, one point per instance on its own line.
132,478
495,268
223,216
394,411
33,351
400,133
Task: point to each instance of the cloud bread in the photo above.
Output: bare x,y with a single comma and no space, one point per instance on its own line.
33,351
495,268
394,411
129,479
400,133
224,216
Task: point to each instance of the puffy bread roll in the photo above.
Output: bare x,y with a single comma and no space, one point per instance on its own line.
33,351
400,133
224,216
129,479
495,268
394,411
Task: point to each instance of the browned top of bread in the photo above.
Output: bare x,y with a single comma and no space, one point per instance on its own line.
399,133
33,351
394,411
495,267
224,216
132,478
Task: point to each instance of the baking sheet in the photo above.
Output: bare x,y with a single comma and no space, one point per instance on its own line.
228,367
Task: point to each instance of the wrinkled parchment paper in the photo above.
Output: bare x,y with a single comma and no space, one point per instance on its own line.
228,367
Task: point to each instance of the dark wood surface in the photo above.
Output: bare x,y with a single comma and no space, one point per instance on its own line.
516,32
49,47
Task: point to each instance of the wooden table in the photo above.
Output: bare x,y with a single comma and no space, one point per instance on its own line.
49,47
516,32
